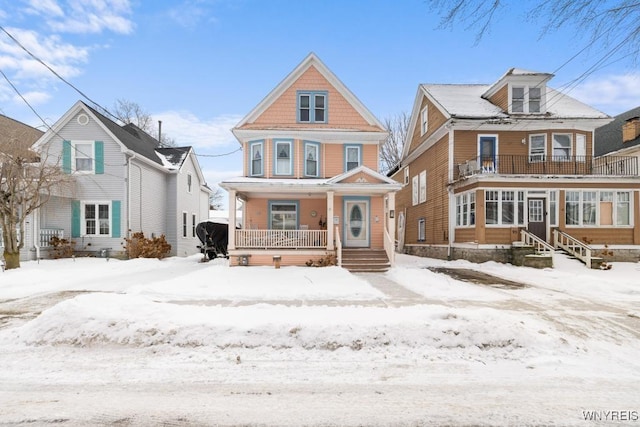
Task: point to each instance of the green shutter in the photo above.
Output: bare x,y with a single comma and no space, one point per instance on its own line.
75,218
115,218
99,148
66,156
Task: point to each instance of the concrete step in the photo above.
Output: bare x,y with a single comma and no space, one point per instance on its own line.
365,260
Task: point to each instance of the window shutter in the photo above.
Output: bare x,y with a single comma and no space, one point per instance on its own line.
99,154
75,218
115,218
66,156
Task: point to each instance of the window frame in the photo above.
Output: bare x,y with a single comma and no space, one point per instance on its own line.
194,222
424,120
272,203
406,175
347,147
422,230
91,156
415,190
97,228
275,144
527,100
423,186
189,182
517,202
315,145
312,94
542,156
553,147
617,202
251,160
185,224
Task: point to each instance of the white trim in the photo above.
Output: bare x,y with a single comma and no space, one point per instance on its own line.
83,219
324,135
91,155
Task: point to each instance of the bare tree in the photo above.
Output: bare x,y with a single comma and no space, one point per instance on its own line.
131,112
27,182
614,24
216,200
391,150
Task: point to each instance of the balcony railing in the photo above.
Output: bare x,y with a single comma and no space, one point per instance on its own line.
548,165
290,239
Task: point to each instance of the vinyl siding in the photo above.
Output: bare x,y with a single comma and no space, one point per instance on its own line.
192,203
435,120
501,98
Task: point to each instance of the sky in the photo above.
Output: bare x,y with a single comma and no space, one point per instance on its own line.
201,65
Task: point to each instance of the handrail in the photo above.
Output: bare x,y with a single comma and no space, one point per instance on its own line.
538,244
295,239
575,247
338,247
389,247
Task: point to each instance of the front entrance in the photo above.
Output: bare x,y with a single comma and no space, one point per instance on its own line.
537,223
356,224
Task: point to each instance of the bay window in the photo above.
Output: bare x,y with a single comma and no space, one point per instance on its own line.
598,208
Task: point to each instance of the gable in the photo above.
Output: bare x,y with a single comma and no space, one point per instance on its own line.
435,120
361,178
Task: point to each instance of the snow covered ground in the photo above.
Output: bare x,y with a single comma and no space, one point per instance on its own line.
180,342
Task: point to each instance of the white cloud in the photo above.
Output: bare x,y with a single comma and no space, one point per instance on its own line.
188,129
82,16
34,97
612,94
189,13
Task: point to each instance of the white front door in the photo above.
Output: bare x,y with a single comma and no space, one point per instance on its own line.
356,223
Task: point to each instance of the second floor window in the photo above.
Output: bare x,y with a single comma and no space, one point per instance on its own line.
311,159
189,177
352,157
312,107
526,99
561,146
255,162
83,156
282,151
537,148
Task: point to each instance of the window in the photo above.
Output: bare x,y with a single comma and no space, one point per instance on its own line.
598,208
526,99
414,190
491,207
488,152
561,146
311,155
312,107
504,207
193,225
96,219
257,154
581,147
466,209
283,215
83,157
422,230
553,208
189,178
352,157
406,175
283,158
424,120
423,186
537,147
184,224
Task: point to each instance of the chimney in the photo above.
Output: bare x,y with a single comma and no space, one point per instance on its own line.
631,129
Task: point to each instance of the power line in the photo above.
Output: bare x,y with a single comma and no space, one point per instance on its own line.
219,155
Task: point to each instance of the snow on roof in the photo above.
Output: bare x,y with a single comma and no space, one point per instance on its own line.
466,101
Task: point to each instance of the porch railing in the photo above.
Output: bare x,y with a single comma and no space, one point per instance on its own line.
292,239
47,233
538,244
573,246
389,247
548,165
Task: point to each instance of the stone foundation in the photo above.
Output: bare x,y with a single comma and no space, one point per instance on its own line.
502,255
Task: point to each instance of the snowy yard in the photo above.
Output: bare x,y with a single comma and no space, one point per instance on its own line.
180,342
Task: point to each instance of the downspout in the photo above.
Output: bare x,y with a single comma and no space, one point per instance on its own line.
451,207
36,232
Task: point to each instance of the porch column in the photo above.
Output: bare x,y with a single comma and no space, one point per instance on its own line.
231,245
330,246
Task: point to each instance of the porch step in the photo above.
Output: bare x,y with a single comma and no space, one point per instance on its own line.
365,260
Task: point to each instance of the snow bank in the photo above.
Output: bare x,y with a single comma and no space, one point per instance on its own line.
126,320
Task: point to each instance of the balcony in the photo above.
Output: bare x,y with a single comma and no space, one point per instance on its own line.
547,165
281,239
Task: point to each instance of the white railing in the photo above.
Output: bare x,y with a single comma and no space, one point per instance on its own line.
389,247
538,244
338,246
574,246
47,233
293,239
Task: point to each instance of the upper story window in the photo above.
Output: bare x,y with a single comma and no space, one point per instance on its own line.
312,107
352,156
537,147
83,157
256,153
424,120
526,99
311,159
189,179
406,175
283,157
561,146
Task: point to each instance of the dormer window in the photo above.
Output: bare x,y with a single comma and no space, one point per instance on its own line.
312,107
526,99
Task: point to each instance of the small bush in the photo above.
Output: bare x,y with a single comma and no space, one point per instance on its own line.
62,248
139,246
322,262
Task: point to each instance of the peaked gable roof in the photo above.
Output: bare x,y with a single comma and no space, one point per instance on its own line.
310,61
12,130
364,170
608,138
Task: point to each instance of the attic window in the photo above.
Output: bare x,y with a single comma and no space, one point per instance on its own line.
526,99
189,182
312,107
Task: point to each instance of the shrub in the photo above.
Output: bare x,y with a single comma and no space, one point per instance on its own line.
62,248
138,246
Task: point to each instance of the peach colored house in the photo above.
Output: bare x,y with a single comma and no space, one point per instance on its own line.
311,187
